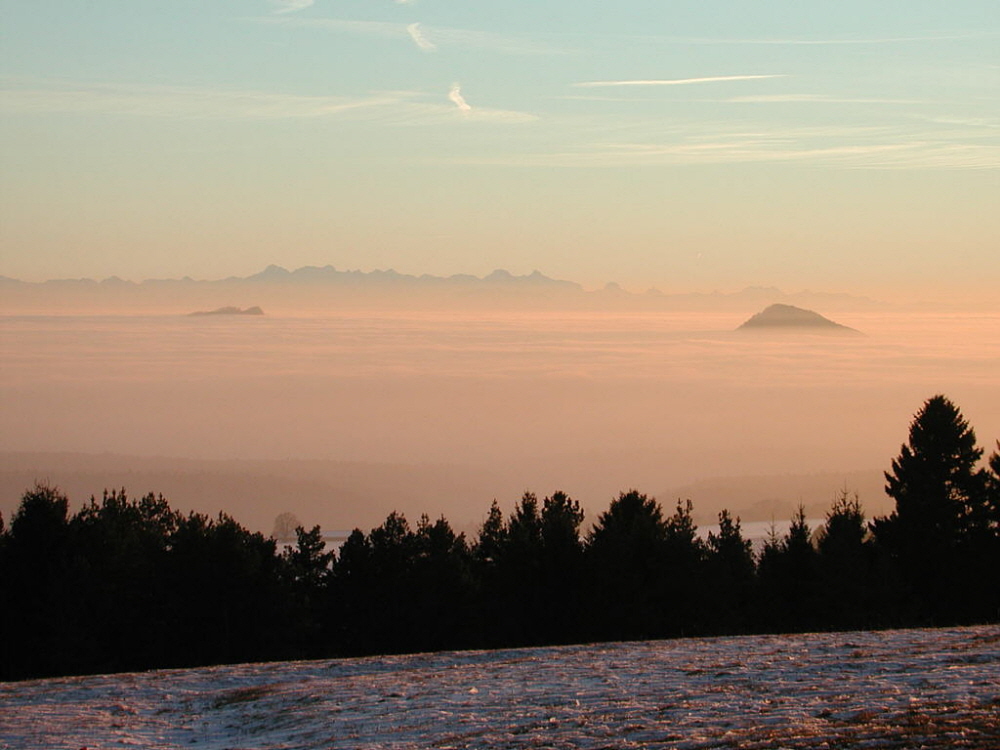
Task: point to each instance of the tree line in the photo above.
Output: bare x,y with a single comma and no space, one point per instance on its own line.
128,584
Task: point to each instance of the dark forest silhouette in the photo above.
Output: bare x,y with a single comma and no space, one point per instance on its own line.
129,584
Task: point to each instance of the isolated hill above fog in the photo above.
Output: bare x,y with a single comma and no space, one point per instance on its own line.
326,287
789,317
229,310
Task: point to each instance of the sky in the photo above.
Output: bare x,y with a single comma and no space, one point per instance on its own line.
849,146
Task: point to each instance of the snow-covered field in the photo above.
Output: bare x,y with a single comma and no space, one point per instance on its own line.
895,689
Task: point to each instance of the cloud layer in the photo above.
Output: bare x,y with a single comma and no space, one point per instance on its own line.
676,81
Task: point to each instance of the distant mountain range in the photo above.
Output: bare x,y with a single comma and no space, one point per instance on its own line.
325,286
329,274
316,275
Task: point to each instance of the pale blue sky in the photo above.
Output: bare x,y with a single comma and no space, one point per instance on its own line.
687,145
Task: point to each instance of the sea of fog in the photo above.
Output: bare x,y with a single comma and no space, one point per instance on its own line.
591,403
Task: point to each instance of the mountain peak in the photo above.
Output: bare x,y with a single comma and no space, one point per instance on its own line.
500,274
788,317
271,272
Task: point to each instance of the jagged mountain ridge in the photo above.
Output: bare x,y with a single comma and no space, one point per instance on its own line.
323,286
316,274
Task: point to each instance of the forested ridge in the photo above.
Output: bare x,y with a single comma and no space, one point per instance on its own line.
129,584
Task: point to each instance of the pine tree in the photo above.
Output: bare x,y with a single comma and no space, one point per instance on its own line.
309,560
993,491
789,584
562,569
488,560
36,576
940,527
938,491
626,553
492,538
730,568
845,563
561,519
441,584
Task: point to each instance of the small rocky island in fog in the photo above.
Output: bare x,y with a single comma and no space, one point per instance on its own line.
231,311
780,317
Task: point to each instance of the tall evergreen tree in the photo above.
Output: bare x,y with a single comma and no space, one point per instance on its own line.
562,569
309,566
488,559
524,533
390,592
560,526
993,491
309,560
492,538
941,522
350,609
230,601
522,588
122,564
627,553
442,587
989,548
730,576
789,581
845,564
37,587
682,588
934,481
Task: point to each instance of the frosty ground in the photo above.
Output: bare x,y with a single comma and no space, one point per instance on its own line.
892,689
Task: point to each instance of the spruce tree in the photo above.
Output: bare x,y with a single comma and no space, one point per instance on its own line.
730,568
626,553
562,569
934,481
845,563
941,522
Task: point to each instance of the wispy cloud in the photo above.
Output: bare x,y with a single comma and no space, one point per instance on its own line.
178,101
676,81
869,147
384,29
455,95
182,102
814,98
886,156
974,122
290,6
595,98
943,37
509,45
739,150
417,35
480,115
